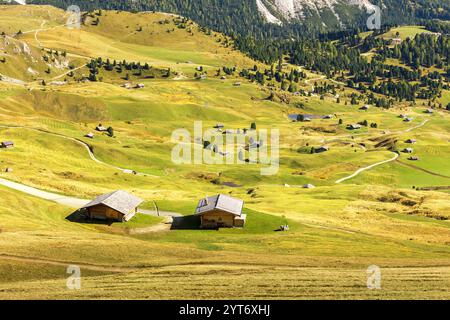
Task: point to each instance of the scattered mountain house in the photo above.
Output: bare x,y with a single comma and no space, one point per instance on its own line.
237,84
403,116
7,144
101,128
229,131
414,158
89,135
408,119
220,211
127,85
321,149
412,141
304,118
429,111
365,108
140,86
308,186
118,205
307,117
408,150
354,126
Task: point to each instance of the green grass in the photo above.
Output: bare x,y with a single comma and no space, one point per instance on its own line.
404,32
139,221
336,230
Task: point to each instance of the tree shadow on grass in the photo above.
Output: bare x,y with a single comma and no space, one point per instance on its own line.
191,222
79,216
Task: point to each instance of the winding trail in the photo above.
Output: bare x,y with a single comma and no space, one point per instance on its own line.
61,199
83,144
418,126
396,155
368,168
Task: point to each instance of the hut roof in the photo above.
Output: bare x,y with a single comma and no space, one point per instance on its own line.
119,200
220,202
7,143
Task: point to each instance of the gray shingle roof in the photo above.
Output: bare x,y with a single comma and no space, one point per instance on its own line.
220,202
119,200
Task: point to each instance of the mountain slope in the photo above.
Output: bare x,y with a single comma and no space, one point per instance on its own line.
291,10
276,18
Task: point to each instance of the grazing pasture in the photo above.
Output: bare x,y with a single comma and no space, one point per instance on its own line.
378,216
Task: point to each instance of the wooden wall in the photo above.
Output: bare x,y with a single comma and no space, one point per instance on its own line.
217,218
103,212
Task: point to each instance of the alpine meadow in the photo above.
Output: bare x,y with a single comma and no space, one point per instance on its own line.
160,150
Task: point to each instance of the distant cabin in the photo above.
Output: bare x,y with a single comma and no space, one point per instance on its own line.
429,111
366,107
321,149
237,84
408,119
411,141
7,144
413,158
403,116
100,128
220,211
118,206
354,126
308,186
140,86
89,135
408,150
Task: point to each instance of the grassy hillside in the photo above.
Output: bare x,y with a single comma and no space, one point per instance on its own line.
378,216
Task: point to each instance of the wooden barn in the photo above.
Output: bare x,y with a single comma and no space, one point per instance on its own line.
220,211
7,144
118,206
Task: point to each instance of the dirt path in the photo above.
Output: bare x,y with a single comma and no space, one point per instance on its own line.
36,33
67,72
416,127
396,155
61,199
160,227
367,168
83,144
